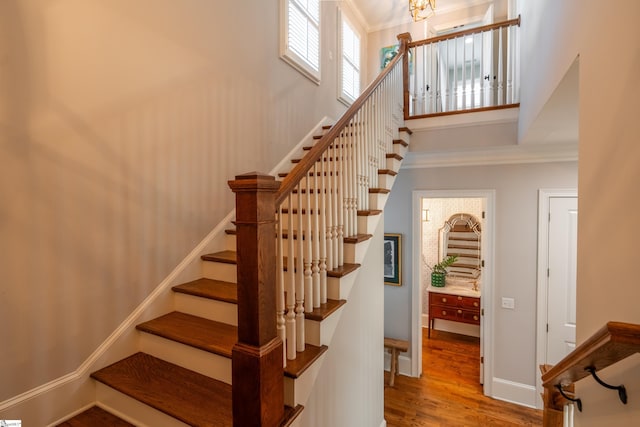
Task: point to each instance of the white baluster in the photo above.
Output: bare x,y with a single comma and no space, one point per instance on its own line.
299,275
280,303
305,236
290,285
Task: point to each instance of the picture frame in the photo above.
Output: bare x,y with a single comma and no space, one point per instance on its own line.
392,259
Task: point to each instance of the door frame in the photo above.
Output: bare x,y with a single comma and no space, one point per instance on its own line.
488,255
544,196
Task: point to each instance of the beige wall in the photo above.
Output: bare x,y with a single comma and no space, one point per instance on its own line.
120,123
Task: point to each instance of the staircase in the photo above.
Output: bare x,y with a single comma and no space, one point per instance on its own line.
188,357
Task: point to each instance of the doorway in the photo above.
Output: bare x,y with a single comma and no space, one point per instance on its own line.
556,300
486,199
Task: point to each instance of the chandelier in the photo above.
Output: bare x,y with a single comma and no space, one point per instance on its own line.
422,9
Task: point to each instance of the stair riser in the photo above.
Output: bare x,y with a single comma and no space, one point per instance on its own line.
386,181
220,271
219,311
320,333
203,362
354,252
400,149
297,391
230,241
377,201
339,288
145,416
366,224
393,164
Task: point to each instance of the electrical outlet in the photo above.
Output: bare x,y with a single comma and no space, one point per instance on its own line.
508,303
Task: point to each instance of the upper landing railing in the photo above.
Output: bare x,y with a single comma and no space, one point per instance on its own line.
475,69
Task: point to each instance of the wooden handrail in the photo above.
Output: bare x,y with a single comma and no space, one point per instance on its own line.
476,30
302,168
613,342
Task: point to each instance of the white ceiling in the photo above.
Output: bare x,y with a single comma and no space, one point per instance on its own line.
380,14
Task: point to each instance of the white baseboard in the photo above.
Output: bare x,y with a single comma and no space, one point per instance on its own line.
383,423
404,364
518,393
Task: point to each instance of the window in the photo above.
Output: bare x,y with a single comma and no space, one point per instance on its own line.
350,63
300,36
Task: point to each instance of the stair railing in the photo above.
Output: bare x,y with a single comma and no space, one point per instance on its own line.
310,212
612,343
475,69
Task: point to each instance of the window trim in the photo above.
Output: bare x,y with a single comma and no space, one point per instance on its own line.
343,97
291,57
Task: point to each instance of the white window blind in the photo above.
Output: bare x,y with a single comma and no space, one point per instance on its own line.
350,41
301,47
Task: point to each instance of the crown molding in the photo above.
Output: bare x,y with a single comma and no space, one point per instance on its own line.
502,155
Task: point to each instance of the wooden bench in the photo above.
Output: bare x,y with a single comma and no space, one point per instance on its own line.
395,346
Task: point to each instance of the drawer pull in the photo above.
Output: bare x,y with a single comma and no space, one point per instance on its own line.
444,300
459,298
444,313
459,311
475,317
475,304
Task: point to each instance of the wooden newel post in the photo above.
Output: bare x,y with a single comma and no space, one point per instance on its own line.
257,371
404,39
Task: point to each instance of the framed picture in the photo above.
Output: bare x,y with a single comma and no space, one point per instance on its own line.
393,259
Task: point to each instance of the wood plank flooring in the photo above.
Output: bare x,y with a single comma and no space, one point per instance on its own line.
449,393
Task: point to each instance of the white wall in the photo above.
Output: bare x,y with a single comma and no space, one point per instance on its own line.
120,124
515,246
607,41
349,390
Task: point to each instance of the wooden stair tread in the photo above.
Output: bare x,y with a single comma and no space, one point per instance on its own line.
394,156
357,238
192,398
211,289
387,172
336,272
343,270
227,257
379,191
208,335
406,129
95,417
303,360
401,142
370,212
325,310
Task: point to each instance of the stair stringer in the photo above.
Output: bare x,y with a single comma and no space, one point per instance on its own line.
57,400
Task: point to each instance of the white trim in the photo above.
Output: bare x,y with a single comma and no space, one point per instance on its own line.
344,98
488,251
518,393
544,196
288,55
500,155
130,322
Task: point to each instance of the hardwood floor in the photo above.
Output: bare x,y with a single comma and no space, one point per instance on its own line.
449,394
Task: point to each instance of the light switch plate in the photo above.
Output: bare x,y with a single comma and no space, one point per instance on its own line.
508,303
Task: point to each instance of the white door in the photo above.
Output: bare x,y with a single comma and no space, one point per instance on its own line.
561,278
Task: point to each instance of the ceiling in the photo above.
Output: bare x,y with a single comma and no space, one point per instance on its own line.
380,14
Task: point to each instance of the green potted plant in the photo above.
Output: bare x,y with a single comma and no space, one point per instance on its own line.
439,270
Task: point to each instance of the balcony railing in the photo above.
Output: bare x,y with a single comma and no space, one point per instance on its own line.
475,69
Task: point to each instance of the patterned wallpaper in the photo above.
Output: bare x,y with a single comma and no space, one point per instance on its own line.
439,211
